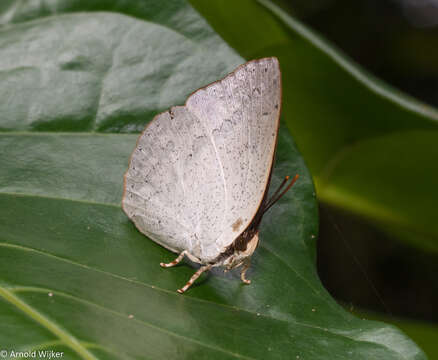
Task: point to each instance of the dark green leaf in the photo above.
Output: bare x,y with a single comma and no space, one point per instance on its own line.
423,332
76,276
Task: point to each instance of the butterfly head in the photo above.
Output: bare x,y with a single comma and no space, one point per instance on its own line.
242,254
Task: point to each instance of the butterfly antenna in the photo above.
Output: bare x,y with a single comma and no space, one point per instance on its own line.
279,194
279,188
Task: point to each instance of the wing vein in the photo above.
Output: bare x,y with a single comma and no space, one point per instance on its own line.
221,167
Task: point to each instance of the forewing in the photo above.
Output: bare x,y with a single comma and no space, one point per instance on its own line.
241,114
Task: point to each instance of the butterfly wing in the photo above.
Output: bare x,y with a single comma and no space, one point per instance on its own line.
199,172
174,182
242,114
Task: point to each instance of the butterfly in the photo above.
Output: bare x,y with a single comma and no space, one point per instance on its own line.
199,175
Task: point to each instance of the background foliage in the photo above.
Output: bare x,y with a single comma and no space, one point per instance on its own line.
76,79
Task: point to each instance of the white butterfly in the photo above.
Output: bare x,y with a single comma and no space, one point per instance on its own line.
198,178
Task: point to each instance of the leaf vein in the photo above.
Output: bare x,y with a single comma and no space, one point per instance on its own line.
143,322
70,340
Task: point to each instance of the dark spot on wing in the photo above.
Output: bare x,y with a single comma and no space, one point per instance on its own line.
237,224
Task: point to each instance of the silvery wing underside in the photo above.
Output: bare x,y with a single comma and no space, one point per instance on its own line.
199,172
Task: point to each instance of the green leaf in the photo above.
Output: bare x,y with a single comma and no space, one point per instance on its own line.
370,149
75,274
422,332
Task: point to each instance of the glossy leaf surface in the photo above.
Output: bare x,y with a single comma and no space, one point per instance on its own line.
76,276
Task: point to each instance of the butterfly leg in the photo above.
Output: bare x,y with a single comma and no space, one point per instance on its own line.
174,262
194,277
245,267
